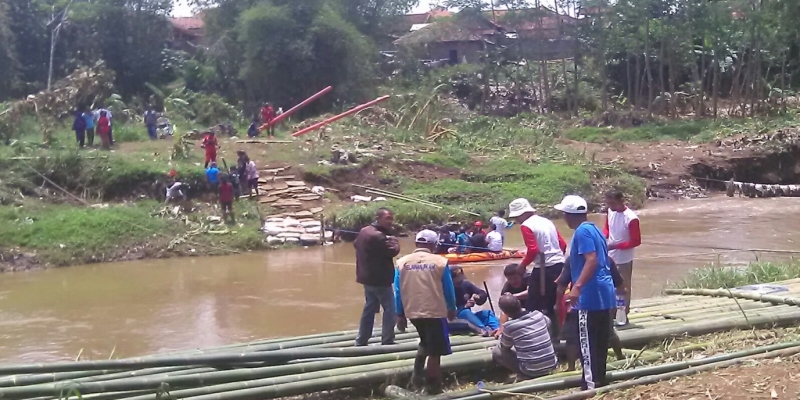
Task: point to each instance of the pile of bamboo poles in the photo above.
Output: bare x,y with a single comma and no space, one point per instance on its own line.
299,365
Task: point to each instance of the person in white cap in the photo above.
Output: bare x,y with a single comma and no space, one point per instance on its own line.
545,246
592,293
424,293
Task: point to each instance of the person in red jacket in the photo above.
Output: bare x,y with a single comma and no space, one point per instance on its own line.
623,234
267,115
226,199
545,246
104,130
210,143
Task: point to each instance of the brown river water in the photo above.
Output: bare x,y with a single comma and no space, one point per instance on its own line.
150,306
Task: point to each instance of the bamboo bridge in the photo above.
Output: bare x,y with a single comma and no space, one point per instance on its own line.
274,368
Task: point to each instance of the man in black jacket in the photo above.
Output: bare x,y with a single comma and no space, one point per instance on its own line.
482,322
375,252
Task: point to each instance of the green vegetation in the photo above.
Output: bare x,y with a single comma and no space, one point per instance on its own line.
64,234
718,276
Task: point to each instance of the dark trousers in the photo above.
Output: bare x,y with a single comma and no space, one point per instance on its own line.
90,136
594,331
545,303
80,134
152,131
110,135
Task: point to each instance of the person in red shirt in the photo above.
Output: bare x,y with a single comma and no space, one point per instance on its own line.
210,143
623,235
546,246
479,228
226,199
267,115
104,130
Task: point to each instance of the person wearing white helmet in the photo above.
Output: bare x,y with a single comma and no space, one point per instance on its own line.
592,293
545,249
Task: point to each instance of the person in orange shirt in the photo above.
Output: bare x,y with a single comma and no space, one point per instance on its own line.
267,115
210,143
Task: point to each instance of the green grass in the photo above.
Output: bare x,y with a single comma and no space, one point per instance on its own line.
680,130
406,214
718,276
63,234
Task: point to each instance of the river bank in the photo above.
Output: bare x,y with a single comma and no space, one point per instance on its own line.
156,305
62,207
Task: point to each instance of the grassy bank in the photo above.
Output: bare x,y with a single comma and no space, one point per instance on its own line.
717,276
698,131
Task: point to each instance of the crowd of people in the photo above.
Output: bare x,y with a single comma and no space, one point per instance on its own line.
238,180
88,122
570,292
473,238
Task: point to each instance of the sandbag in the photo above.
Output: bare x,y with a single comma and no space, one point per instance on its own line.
289,221
274,220
308,224
328,235
292,240
314,229
274,239
309,239
272,229
289,235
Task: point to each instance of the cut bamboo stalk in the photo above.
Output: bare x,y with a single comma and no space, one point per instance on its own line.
532,386
766,298
276,356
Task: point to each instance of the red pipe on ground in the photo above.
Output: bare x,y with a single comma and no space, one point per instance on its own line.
291,111
340,116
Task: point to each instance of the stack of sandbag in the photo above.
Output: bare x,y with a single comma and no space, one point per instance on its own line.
290,230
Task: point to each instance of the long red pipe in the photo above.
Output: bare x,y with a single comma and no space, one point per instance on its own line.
340,116
291,111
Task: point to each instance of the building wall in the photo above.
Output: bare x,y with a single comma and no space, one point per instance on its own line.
441,51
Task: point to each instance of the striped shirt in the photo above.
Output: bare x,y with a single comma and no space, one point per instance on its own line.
529,335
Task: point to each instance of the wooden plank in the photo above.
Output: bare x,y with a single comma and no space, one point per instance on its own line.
307,198
295,183
256,141
268,199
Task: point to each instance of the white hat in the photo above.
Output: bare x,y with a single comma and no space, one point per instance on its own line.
519,207
573,205
427,236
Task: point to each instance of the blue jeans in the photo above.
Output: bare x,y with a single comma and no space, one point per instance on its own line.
377,297
151,131
482,319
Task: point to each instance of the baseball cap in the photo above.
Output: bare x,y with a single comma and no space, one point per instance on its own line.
572,205
519,207
427,236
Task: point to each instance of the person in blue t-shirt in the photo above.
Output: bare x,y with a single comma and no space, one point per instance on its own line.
463,240
592,293
212,174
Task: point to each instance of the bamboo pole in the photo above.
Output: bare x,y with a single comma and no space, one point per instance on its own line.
734,294
404,198
340,116
276,356
411,199
217,381
646,380
533,386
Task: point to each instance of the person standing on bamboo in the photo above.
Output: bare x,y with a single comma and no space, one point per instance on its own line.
424,293
623,234
376,248
545,246
592,292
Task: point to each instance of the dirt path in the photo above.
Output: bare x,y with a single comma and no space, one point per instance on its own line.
777,378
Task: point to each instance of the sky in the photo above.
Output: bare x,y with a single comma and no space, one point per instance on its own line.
182,9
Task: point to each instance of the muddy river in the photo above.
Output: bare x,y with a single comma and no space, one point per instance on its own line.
161,305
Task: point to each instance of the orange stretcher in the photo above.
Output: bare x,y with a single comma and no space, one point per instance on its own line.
485,256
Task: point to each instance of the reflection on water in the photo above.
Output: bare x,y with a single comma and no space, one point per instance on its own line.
161,305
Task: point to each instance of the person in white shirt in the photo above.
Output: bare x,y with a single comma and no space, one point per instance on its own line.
500,224
623,234
494,240
545,249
